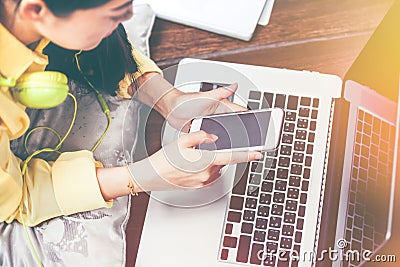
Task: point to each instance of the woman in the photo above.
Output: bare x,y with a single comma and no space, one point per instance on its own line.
25,27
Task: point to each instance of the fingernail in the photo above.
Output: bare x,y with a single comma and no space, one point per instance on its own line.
215,137
259,156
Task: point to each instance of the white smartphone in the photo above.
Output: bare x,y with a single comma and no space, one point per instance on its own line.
240,131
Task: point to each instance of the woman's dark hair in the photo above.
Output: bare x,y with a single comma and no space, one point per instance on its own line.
62,8
103,66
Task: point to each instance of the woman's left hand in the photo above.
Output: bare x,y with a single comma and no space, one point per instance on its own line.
187,106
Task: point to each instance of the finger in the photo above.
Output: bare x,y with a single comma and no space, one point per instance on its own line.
227,106
225,158
222,92
196,138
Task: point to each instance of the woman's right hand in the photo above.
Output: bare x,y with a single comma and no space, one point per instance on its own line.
180,166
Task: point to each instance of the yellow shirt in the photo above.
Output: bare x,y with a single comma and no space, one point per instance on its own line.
48,189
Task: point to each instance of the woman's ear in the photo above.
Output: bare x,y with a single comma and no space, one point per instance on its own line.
33,10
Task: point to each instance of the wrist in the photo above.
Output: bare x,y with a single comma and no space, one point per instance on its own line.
145,177
157,93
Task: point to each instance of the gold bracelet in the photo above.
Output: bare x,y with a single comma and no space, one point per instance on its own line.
130,186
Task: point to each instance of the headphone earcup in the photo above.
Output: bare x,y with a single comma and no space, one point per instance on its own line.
41,90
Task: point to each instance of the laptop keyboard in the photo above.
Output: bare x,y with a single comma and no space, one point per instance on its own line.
267,205
369,192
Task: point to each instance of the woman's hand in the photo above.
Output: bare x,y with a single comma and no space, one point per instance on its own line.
186,106
180,166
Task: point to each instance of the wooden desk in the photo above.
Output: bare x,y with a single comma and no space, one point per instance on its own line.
317,35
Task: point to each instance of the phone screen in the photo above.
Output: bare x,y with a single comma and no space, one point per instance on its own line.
237,130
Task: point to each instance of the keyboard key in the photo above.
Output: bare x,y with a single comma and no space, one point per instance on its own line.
269,174
314,114
303,198
288,230
282,173
313,125
305,101
234,216
298,157
255,178
299,146
273,235
293,193
280,185
236,203
261,223
294,181
267,186
267,100
289,217
256,253
265,198
315,103
259,236
256,167
277,209
304,112
286,242
286,150
230,242
272,247
247,228
252,105
297,237
240,186
358,221
288,127
251,203
252,191
310,149
270,163
301,134
306,173
224,254
243,248
287,138
249,215
308,161
300,224
296,169
255,95
302,211
279,197
263,211
275,222
280,101
302,123
292,102
269,260
290,116
284,162
228,228
311,137
291,205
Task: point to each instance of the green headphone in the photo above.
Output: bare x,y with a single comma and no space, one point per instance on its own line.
39,90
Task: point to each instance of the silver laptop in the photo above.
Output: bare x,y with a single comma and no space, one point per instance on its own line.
266,213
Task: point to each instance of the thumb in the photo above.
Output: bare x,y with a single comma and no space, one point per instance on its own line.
196,138
223,92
